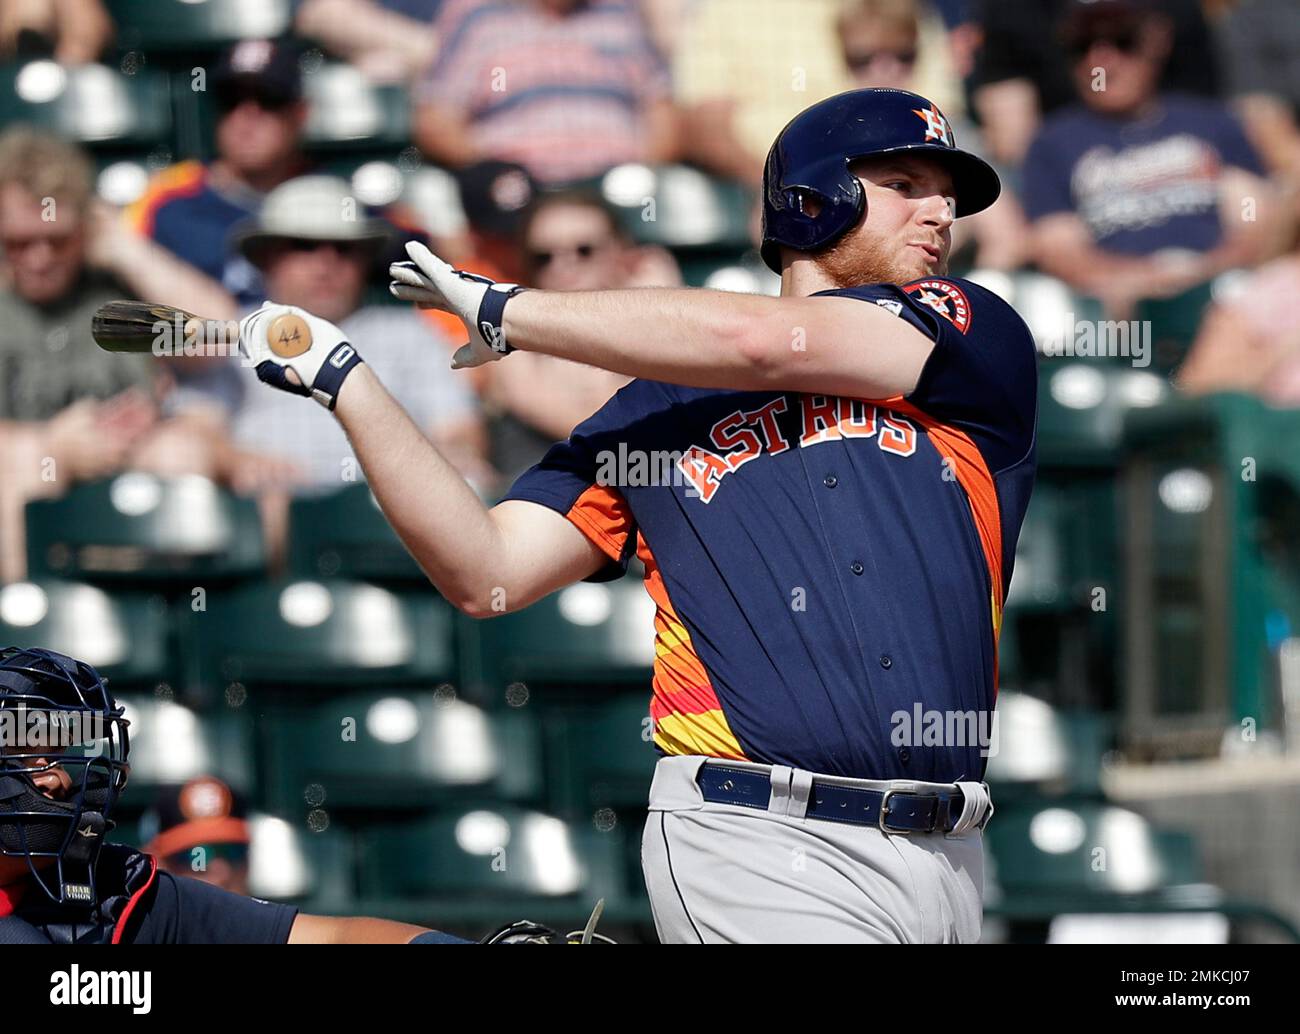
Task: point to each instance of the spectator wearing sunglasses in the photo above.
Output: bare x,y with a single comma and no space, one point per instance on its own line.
1021,71
569,241
1134,193
191,208
900,44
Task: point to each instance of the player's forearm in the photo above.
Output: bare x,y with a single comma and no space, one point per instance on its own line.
436,514
706,339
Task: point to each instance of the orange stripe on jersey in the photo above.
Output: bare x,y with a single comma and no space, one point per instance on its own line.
603,516
687,715
973,474
181,180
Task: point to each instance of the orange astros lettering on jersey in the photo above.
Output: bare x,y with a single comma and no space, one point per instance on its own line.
821,419
743,436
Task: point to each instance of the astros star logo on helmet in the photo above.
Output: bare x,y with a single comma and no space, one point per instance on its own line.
936,126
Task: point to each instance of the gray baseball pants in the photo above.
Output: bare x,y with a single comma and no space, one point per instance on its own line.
725,874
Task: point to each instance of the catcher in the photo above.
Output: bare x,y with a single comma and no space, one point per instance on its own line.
63,764
825,489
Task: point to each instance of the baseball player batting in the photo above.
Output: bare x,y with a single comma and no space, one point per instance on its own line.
850,462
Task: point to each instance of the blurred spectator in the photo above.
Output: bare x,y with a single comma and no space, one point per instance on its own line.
1023,71
72,32
571,241
200,830
316,254
68,410
1137,194
1250,342
744,68
1260,42
882,43
566,88
388,40
191,208
493,197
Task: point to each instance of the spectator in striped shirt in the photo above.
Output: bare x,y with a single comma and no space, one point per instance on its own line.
566,88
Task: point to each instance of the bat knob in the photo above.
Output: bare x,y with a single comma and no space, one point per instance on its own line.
288,336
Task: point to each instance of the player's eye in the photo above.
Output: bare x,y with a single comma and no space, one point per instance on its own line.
899,184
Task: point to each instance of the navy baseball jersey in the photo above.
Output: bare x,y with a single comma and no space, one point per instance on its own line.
139,904
825,570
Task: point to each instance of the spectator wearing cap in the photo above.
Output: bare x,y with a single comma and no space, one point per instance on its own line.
1022,69
1134,193
200,829
566,88
883,46
191,208
570,241
315,248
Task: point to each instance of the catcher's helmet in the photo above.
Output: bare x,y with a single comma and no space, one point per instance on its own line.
57,715
812,153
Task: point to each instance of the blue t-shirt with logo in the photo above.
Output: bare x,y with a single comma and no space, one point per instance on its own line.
1139,184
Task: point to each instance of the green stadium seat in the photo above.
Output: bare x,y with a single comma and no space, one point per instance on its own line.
390,750
137,528
1082,404
489,854
1042,751
1088,849
601,755
174,30
318,636
345,534
94,105
680,207
1174,323
126,636
170,743
588,634
345,111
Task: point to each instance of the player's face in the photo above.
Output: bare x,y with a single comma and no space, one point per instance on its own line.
326,278
907,232
44,248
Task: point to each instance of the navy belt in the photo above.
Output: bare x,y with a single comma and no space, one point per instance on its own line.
891,811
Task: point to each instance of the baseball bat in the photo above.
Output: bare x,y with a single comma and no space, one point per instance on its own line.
128,326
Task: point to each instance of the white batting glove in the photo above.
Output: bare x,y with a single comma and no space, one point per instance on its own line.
480,303
279,338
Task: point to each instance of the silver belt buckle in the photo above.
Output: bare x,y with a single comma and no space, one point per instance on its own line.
884,814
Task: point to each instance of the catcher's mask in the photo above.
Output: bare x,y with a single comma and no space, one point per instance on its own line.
57,715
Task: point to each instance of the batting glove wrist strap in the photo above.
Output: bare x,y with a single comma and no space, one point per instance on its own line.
491,315
338,364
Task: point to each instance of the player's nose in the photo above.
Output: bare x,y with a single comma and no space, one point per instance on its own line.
938,210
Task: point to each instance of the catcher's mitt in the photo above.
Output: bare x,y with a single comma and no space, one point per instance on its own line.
526,932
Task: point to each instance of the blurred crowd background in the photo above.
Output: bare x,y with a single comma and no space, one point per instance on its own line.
311,721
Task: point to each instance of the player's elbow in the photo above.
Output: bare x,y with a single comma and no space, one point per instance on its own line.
763,344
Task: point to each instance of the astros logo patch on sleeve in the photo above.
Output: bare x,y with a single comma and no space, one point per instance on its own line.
945,298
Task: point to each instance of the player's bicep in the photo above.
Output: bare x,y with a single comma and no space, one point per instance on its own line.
542,551
843,346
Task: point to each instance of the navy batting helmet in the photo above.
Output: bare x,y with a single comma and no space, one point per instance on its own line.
57,716
811,158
